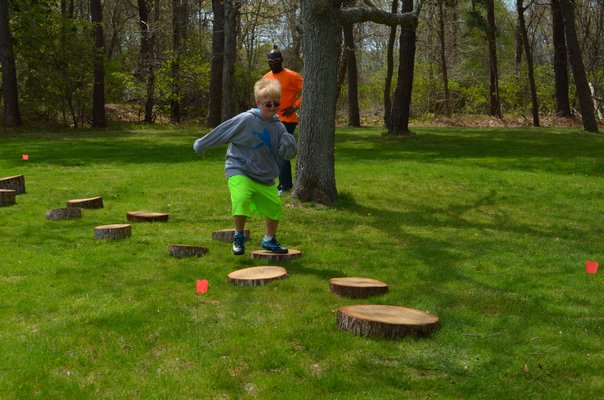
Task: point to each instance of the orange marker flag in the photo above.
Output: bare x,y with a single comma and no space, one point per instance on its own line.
24,157
591,267
202,286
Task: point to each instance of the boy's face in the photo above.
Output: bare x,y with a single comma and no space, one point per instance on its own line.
268,107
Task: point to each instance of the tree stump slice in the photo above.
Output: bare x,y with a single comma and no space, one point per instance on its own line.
270,256
386,321
357,288
184,251
16,183
226,235
90,203
62,214
7,197
146,216
113,232
256,276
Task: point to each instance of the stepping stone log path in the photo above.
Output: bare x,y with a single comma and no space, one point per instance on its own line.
270,256
90,203
7,197
16,183
184,251
62,214
256,276
113,232
226,235
356,288
146,216
386,321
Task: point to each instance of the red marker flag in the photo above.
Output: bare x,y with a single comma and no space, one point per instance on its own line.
591,267
202,286
24,156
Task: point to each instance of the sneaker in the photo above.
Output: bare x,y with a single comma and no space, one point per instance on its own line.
283,192
238,243
273,246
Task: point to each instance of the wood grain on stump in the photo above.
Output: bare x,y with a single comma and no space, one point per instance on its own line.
146,216
269,255
62,214
16,183
7,197
90,203
386,321
226,235
115,231
183,250
256,276
356,287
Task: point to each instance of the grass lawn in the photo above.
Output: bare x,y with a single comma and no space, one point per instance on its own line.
489,229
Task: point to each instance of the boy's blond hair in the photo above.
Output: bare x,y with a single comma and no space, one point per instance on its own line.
267,88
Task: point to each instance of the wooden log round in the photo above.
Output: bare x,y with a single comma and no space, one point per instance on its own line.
270,256
89,203
226,235
357,288
146,216
184,251
256,276
62,214
16,183
113,232
7,197
386,321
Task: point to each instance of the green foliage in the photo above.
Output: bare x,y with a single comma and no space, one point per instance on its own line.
489,229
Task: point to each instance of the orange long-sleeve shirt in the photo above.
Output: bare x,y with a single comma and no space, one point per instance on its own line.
291,92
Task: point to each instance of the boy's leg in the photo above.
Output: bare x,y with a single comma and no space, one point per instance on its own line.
269,242
285,166
241,193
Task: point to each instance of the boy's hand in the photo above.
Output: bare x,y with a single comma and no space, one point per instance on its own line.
289,111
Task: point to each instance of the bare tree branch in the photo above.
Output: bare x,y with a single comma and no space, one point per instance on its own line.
363,14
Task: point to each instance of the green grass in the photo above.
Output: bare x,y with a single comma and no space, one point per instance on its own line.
489,229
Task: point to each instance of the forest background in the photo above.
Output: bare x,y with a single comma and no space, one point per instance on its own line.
169,60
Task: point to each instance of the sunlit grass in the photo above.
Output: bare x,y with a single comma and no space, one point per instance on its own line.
488,229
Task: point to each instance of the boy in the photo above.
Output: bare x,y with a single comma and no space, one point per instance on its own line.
257,141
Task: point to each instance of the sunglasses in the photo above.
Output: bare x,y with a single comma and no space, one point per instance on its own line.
275,60
270,105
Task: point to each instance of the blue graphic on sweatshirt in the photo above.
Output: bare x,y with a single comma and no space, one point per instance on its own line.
265,139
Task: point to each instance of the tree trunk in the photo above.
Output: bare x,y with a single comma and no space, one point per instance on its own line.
146,70
491,29
401,107
98,91
179,30
229,105
354,119
389,69
443,58
560,62
529,61
215,101
10,98
576,61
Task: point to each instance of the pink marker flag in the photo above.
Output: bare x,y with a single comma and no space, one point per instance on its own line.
591,267
202,286
24,156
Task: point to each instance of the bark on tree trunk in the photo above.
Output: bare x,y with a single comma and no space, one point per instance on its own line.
215,103
10,98
389,69
576,61
146,70
229,105
179,29
495,104
529,61
560,62
443,58
354,118
98,91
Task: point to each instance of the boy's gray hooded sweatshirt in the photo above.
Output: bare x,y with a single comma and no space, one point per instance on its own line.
255,146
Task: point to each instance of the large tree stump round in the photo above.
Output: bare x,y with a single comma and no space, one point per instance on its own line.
183,250
226,235
256,276
7,197
90,203
386,321
146,216
270,256
356,288
16,183
113,232
62,214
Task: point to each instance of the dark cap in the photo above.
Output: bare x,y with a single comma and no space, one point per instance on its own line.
274,54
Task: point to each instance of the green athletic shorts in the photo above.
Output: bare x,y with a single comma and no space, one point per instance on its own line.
249,197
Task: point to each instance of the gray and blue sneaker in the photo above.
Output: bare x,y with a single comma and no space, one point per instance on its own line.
238,243
273,246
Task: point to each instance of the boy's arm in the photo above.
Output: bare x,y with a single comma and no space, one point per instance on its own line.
287,146
220,135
